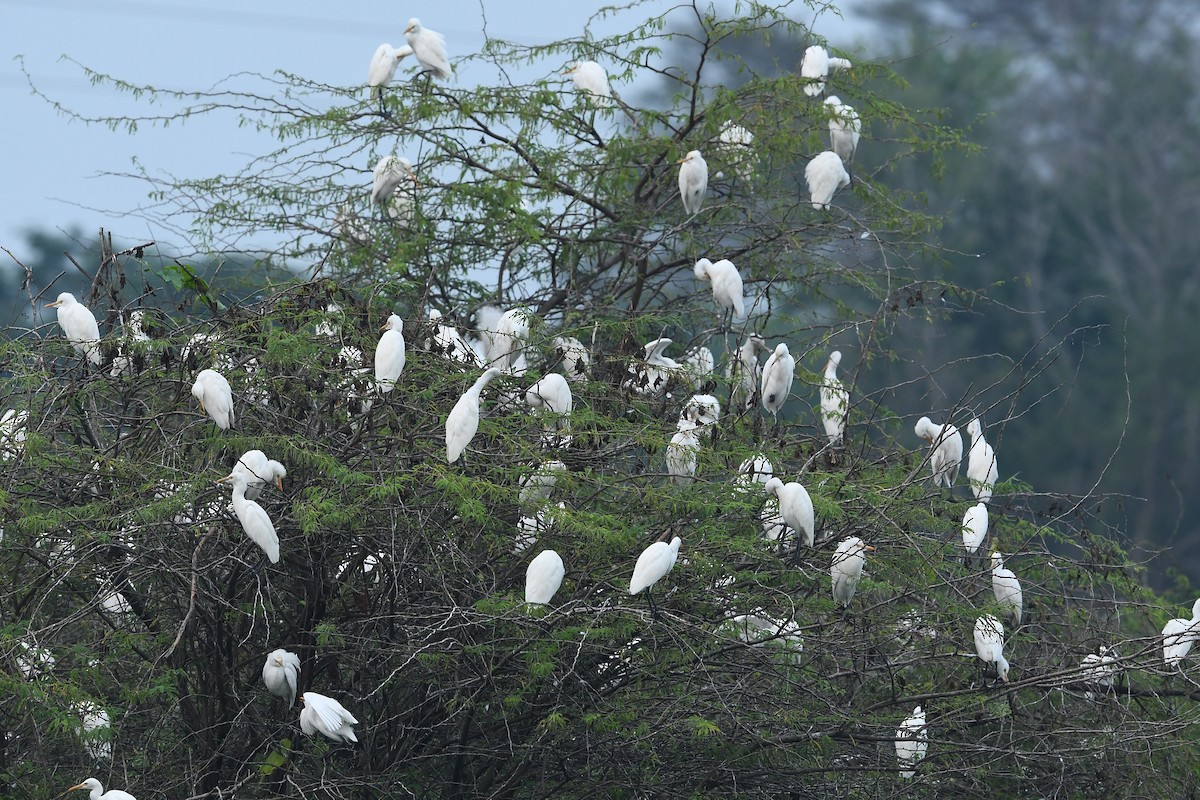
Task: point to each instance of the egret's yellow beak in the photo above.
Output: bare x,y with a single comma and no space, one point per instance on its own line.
202,408
869,547
78,786
226,479
279,483
56,304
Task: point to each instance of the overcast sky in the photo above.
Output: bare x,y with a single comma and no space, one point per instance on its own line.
52,166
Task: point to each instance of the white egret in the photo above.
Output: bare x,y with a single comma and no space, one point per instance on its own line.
777,376
795,506
758,629
754,470
33,661
701,410
846,571
134,338
95,729
825,174
815,67
448,341
537,485
651,377
734,144
982,471
945,450
576,364
974,527
773,526
845,128
12,433
989,644
328,717
543,577
552,393
389,354
744,373
280,674
209,348
259,471
383,69
1007,588
215,396
96,791
683,453
529,528
912,742
1179,635
726,284
696,367
1100,669
389,173
463,420
430,49
835,400
652,566
255,522
113,601
693,181
591,79
507,339
79,324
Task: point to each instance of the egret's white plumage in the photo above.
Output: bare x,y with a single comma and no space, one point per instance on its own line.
1179,635
328,717
754,473
1007,588
846,571
537,485
96,791
744,373
259,471
506,340
552,393
974,527
701,410
989,644
94,729
696,367
389,354
693,181
815,67
734,144
758,629
845,128
79,324
12,433
576,364
383,68
591,79
255,521
912,742
945,450
777,376
683,453
280,674
463,420
982,471
389,173
430,49
134,338
835,400
773,526
652,376
215,396
825,174
1100,669
543,577
653,564
448,341
726,284
795,506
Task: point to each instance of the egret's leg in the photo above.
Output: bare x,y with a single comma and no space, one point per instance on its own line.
653,608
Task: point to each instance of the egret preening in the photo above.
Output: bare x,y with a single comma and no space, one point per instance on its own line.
773,526
280,673
12,433
754,470
389,354
835,400
693,181
796,508
912,742
215,396
744,373
96,791
945,450
259,471
982,471
543,577
537,486
79,324
1007,588
383,69
254,519
652,566
328,717
777,376
389,173
591,79
848,562
448,341
974,527
989,644
726,284
815,67
463,420
576,364
825,174
430,49
1179,635
696,367
701,410
651,378
683,452
844,129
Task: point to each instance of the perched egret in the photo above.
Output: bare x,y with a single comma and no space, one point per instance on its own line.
389,354
383,69
726,284
259,471
982,471
576,364
693,181
825,174
701,410
758,629
696,367
652,376
389,173
79,324
215,396
33,661
430,49
537,485
796,508
133,339
543,577
773,526
96,791
846,571
912,741
254,519
989,644
835,400
529,528
1100,669
745,373
552,393
734,144
591,79
815,67
844,129
1179,635
777,376
12,433
945,450
507,339
448,341
683,452
328,717
974,527
754,470
652,565
1007,588
463,420
280,673
95,729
